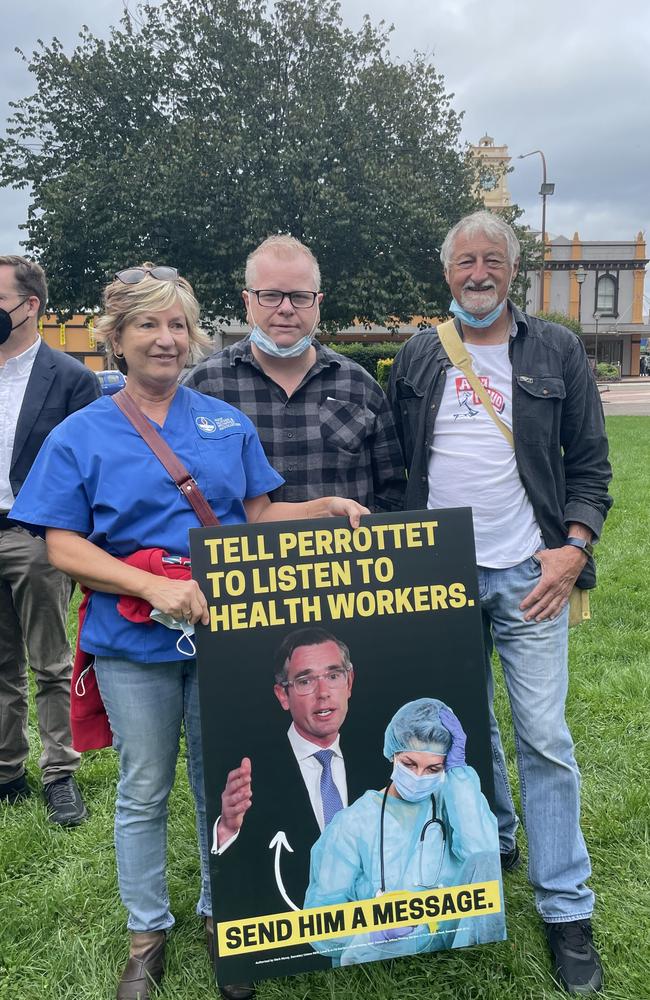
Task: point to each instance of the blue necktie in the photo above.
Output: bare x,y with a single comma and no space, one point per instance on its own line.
329,793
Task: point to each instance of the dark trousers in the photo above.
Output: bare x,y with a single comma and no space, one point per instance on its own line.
34,600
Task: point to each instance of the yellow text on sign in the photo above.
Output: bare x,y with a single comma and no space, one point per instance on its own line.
396,909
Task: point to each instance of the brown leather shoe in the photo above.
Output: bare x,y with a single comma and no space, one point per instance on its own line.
235,991
208,923
238,991
145,967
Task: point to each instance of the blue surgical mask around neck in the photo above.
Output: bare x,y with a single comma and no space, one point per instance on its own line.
269,346
470,320
413,787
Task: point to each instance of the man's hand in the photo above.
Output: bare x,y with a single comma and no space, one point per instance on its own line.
236,800
560,570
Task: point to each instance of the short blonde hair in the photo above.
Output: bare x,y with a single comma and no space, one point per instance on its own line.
124,303
284,247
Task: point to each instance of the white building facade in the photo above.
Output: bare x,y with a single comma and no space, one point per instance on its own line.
601,285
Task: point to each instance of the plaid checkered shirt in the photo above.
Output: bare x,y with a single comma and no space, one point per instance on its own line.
334,436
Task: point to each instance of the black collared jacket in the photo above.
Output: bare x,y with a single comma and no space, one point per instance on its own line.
558,425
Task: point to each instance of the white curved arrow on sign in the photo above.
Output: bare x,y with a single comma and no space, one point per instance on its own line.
278,842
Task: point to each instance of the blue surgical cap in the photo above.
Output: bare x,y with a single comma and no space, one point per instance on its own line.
417,726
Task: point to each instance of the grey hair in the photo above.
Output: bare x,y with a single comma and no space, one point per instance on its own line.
489,225
284,247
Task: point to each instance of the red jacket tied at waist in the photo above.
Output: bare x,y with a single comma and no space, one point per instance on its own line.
88,720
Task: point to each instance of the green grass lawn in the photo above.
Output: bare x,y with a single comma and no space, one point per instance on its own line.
62,928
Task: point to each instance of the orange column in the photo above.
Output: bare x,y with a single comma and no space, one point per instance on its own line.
637,284
574,288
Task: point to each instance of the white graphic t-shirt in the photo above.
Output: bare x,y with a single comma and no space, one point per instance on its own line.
472,465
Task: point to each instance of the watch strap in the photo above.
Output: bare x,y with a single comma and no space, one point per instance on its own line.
580,543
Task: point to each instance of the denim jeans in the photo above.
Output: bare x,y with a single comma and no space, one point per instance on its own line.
146,704
534,658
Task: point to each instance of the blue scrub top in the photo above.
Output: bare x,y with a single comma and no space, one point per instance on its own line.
95,475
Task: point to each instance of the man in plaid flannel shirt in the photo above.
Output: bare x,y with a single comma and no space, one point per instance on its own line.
324,422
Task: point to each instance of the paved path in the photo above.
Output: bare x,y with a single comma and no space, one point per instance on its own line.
631,397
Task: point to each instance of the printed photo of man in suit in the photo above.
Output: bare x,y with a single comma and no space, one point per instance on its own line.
39,387
274,807
313,682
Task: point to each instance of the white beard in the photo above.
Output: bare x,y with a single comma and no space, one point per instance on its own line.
479,303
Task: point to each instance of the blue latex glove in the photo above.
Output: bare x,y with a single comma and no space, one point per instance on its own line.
456,755
391,934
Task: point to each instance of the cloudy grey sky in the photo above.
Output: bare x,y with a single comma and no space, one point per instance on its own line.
569,77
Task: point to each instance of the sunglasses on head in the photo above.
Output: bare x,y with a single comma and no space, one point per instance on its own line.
134,275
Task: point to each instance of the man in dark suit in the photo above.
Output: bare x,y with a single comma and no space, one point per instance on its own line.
39,387
262,862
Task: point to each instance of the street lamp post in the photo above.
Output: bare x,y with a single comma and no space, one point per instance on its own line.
581,274
596,318
545,190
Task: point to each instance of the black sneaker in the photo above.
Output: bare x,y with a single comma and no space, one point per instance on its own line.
14,791
576,961
511,860
64,803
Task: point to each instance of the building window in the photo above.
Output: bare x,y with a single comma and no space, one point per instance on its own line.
606,295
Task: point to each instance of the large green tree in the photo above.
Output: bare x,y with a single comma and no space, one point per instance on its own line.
201,126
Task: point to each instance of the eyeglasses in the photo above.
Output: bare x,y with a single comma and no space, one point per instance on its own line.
334,679
134,275
273,297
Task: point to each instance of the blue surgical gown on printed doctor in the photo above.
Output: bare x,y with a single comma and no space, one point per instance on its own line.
346,865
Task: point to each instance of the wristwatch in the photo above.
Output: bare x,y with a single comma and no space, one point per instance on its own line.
580,543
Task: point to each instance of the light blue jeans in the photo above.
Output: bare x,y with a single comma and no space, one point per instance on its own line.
534,658
146,704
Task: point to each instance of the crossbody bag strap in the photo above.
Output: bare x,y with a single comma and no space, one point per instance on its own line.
460,358
183,479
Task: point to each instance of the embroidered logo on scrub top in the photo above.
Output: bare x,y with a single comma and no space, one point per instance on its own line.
206,425
224,423
211,427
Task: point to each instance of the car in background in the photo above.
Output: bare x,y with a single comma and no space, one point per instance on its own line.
111,382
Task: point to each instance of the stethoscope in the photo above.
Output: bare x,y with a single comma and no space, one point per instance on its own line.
432,822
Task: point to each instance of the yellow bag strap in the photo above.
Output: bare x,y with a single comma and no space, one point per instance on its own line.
579,610
460,358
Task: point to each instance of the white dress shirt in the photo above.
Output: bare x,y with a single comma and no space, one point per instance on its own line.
14,376
311,771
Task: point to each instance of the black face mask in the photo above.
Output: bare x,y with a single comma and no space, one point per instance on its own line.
6,324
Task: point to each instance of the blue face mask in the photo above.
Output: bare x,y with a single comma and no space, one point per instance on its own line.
264,342
413,787
470,320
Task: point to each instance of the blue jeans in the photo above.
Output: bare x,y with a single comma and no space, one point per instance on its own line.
534,658
146,704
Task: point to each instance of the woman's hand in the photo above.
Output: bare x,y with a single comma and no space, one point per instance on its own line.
260,509
340,507
94,568
456,754
182,599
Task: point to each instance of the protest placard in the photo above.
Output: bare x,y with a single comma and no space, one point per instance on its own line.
319,636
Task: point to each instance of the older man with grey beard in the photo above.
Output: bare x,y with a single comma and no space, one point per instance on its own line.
525,447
